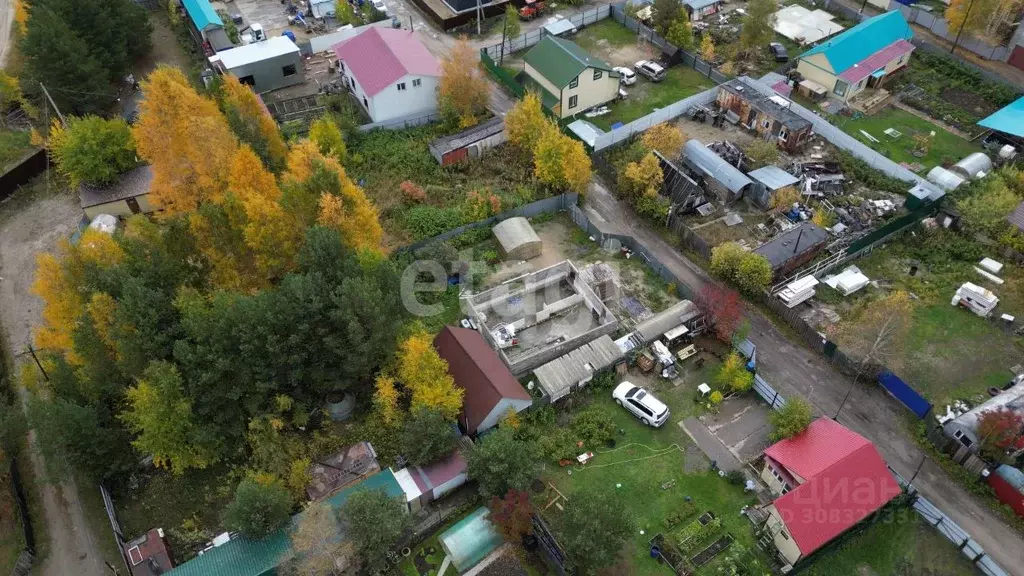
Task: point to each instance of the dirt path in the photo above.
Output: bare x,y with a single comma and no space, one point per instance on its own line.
794,370
29,229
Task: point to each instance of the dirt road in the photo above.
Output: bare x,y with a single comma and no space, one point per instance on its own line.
24,231
794,370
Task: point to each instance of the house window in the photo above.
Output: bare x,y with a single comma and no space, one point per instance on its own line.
573,100
401,86
575,82
365,103
963,438
598,74
783,134
416,82
288,70
840,88
766,123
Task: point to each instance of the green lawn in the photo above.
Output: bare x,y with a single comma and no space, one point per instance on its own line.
646,96
903,544
945,147
950,353
14,145
607,33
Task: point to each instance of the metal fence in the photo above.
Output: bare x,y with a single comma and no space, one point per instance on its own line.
767,393
670,112
935,23
524,41
402,123
951,530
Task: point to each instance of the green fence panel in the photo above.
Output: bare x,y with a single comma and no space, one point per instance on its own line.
894,226
501,74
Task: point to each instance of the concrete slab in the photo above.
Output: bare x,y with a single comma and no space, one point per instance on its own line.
742,425
710,445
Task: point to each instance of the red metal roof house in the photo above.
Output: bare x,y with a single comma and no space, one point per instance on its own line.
491,390
390,72
828,479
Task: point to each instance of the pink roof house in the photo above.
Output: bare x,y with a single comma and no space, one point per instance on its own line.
390,72
424,484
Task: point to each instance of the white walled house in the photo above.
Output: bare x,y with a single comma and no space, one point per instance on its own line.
570,81
390,72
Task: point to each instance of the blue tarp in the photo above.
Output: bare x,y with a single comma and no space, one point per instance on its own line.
1009,119
202,14
905,394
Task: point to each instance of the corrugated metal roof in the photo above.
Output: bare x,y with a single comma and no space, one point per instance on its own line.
655,326
558,376
791,243
485,129
244,557
773,177
559,60
1017,217
202,14
131,184
871,65
1009,119
257,52
863,40
715,167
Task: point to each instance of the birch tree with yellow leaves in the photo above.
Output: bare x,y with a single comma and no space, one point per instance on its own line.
425,374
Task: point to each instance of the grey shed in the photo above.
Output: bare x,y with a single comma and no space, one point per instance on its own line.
714,168
517,239
572,371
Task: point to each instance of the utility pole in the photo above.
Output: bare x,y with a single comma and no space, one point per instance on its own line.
52,103
848,392
914,475
32,351
479,13
964,25
504,29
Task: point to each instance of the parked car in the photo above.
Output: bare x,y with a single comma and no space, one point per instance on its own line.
626,76
778,52
532,9
650,410
652,70
379,6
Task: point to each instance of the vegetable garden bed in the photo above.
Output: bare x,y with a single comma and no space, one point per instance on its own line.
711,551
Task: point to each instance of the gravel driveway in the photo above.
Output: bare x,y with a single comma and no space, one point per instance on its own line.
27,227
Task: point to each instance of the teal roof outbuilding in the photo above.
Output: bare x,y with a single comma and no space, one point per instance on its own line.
202,14
1009,119
559,60
244,557
863,40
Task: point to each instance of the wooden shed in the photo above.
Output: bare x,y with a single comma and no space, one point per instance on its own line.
469,143
127,196
769,116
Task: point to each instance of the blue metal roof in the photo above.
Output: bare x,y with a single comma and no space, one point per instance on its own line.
698,4
1009,119
1013,476
202,14
863,40
241,556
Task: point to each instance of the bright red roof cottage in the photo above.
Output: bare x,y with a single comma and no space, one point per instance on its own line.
829,478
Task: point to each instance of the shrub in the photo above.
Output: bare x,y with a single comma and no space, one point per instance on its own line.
653,207
748,271
411,192
258,508
736,477
793,418
594,427
761,153
429,221
428,437
92,150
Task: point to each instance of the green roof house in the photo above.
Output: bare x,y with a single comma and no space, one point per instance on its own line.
241,556
569,80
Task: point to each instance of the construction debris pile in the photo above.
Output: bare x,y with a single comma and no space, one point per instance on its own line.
731,153
819,178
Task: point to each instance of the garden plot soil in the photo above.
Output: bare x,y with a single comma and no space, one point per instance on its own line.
968,101
625,55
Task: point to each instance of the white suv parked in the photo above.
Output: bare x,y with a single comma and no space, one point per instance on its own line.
652,70
650,410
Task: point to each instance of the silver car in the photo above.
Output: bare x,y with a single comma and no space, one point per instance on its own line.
650,410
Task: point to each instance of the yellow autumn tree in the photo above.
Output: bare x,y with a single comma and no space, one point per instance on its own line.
462,92
982,17
707,48
784,198
664,138
101,309
526,121
252,122
328,138
345,207
425,374
58,281
561,162
186,139
643,178
385,400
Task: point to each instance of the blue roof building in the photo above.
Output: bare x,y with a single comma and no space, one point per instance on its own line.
1008,120
859,58
203,16
241,556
